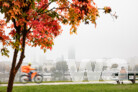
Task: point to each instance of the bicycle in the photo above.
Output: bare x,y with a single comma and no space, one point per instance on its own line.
38,78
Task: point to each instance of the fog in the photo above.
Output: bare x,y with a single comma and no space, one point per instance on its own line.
110,39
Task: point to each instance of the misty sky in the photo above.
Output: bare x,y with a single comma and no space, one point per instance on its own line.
110,39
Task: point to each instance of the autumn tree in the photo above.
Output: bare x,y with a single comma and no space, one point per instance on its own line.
38,22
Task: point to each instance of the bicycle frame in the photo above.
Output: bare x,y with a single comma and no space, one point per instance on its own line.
33,75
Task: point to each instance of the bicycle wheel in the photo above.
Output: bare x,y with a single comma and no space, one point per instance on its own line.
38,78
24,79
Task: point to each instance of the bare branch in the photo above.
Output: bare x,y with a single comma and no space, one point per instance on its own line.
29,28
44,6
55,9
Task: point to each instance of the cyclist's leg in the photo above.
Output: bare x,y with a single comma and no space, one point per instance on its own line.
30,73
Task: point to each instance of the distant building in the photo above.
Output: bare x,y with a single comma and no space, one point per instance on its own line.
47,65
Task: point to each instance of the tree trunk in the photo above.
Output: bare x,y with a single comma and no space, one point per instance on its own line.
11,80
12,72
15,67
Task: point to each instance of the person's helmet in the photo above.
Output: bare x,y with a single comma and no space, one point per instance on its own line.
29,63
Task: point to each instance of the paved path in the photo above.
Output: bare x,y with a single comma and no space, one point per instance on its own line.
65,83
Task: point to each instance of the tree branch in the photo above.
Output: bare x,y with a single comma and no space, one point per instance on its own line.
45,6
24,32
29,28
14,22
53,9
100,8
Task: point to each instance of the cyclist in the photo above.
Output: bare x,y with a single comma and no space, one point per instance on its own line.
28,70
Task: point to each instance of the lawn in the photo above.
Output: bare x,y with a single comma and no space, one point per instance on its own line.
76,88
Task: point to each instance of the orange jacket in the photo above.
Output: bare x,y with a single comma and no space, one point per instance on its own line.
26,69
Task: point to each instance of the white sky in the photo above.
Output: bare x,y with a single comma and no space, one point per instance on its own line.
110,39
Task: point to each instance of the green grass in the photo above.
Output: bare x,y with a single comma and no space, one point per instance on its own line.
76,88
